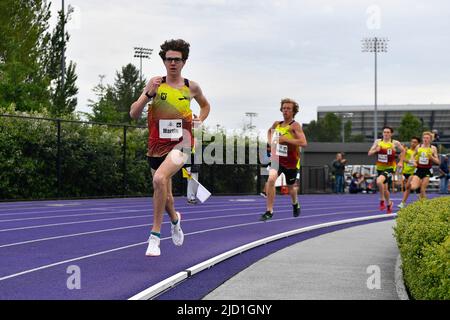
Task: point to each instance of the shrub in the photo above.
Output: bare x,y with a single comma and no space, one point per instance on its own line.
423,237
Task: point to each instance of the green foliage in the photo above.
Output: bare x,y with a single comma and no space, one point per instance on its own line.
423,236
30,59
127,89
327,129
104,109
27,158
91,159
63,99
356,138
410,126
23,42
113,102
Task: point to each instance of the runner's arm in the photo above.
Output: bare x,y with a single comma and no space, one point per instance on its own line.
151,88
299,136
413,157
402,153
197,94
435,156
374,149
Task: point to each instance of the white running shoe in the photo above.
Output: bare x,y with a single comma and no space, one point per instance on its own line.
401,205
153,249
177,233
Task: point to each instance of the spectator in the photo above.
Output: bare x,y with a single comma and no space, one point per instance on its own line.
444,174
356,185
436,137
338,168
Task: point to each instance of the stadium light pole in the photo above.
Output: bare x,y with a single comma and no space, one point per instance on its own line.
142,53
251,115
344,115
375,45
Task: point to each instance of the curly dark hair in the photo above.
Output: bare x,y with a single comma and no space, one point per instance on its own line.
389,128
175,45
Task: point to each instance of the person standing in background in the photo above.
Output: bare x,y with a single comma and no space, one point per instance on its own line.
444,174
339,170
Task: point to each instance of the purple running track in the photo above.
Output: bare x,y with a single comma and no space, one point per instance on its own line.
106,239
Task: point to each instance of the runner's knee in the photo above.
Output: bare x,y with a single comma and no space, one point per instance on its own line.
159,181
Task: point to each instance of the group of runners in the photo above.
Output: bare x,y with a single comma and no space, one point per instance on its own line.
170,122
415,164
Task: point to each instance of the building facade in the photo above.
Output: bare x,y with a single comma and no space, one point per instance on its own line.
432,116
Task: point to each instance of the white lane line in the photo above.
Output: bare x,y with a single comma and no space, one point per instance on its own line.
72,235
100,220
142,243
149,216
44,210
191,208
147,206
70,223
73,215
150,207
148,225
163,285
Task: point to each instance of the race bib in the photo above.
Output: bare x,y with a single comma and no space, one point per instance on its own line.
282,150
383,158
171,129
423,159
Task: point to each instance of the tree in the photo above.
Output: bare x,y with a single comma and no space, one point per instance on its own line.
330,128
312,131
113,102
104,109
348,130
63,99
23,42
410,126
327,129
127,89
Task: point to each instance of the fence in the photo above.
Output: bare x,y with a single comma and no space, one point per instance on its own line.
44,158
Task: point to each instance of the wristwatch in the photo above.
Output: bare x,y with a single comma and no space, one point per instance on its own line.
149,96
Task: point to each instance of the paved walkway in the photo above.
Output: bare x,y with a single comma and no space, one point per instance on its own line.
339,265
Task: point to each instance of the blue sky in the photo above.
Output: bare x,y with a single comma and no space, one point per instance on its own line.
247,55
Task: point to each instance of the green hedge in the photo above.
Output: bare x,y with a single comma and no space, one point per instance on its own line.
91,161
423,236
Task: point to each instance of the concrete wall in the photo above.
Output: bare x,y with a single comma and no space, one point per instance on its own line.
321,153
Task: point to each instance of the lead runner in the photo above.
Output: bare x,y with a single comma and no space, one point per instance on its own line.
170,134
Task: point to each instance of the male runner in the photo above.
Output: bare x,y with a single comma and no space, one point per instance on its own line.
285,137
385,149
409,167
424,157
170,133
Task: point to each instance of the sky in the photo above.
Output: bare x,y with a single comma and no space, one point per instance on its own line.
248,55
